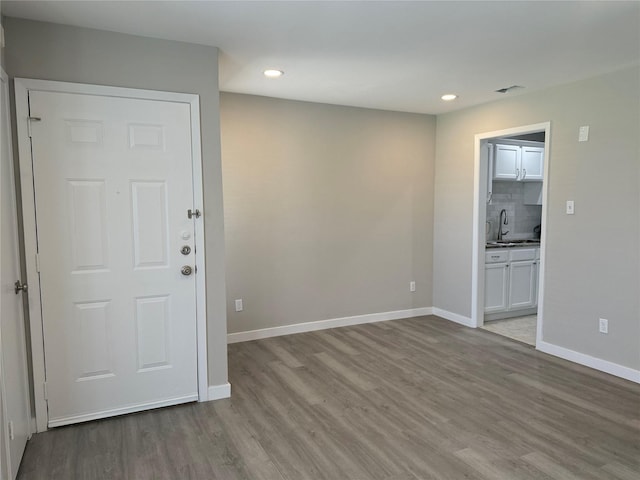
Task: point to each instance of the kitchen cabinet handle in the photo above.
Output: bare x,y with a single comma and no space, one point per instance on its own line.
524,173
517,173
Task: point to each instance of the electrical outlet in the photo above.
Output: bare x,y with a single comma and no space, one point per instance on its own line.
412,286
603,325
239,306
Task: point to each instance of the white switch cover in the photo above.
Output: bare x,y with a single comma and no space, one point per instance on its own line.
603,325
412,286
239,305
570,208
583,133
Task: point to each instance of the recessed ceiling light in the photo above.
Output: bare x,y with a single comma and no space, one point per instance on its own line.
272,73
448,97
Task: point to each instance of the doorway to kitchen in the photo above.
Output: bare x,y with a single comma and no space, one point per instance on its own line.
509,231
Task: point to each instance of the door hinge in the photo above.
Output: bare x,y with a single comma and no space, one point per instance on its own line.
45,391
29,121
38,262
193,213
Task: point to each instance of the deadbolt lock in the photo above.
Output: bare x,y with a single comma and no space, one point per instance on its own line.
186,250
186,270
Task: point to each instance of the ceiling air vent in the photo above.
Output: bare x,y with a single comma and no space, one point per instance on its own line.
509,89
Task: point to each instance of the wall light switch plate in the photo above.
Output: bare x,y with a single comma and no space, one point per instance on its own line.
239,306
570,207
603,325
583,133
412,286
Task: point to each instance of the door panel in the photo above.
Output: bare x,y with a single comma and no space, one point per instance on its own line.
532,163
507,162
14,388
113,182
495,287
522,285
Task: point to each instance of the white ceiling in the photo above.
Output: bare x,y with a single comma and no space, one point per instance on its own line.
391,55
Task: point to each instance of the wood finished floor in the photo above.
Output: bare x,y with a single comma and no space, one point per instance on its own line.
421,398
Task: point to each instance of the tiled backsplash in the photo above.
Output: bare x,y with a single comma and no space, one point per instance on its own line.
522,218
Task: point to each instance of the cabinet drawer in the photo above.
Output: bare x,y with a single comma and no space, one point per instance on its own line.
494,256
522,254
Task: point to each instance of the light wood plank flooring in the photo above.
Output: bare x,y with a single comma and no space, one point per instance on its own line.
421,398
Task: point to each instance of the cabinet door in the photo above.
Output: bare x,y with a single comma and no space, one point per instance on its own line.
522,285
532,160
506,164
496,281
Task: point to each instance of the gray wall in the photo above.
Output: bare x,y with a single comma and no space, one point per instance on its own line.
593,259
55,52
328,210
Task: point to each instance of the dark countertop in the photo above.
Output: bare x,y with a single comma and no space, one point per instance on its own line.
513,243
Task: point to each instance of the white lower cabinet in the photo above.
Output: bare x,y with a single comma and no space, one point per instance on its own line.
522,284
496,284
510,279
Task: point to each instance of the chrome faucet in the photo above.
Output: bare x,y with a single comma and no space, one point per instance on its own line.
503,221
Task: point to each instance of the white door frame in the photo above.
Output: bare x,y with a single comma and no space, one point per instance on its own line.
22,88
480,217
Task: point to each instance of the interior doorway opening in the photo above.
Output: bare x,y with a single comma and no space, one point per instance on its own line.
509,231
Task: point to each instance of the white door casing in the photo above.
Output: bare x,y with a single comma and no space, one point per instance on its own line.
115,172
14,390
479,219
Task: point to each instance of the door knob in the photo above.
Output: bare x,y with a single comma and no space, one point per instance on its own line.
186,270
20,287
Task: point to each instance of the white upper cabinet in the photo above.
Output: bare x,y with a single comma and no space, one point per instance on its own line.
532,162
507,162
518,163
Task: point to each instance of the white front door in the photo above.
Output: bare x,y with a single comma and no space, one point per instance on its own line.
14,390
113,183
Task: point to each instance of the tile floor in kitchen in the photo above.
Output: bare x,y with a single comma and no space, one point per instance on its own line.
522,329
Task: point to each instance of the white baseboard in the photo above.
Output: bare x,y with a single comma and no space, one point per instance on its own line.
589,361
324,324
454,317
216,392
